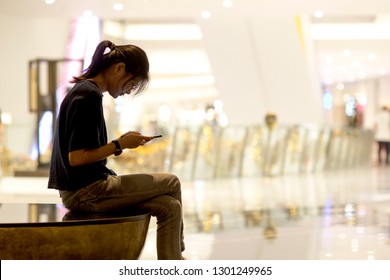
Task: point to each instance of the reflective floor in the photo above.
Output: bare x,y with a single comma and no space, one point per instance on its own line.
335,215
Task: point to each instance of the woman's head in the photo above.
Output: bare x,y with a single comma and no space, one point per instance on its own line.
133,58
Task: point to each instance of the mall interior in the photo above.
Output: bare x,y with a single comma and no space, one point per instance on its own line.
268,113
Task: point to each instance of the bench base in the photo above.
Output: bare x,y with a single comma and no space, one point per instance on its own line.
114,239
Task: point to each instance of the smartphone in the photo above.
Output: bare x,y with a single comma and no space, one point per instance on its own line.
156,136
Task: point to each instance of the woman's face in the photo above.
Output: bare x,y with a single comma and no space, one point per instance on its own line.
121,82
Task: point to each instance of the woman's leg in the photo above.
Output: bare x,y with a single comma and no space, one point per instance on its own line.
159,193
168,212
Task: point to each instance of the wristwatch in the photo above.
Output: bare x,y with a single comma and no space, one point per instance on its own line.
118,149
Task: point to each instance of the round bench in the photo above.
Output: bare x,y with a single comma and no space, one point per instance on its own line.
115,236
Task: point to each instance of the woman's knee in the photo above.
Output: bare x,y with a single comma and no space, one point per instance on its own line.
174,180
170,208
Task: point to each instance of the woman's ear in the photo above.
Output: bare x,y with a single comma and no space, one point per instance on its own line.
120,67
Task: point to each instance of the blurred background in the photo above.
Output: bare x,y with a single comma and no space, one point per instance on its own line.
246,94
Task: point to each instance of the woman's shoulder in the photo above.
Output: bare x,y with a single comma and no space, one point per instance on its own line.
85,90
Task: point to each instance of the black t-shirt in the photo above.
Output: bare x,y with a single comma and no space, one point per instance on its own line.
80,125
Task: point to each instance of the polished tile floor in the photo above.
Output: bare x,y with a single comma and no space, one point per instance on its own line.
335,215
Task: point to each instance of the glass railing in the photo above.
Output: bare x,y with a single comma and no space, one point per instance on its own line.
211,152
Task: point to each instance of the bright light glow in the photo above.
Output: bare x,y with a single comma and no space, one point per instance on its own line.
351,77
362,99
371,57
49,2
118,6
327,100
362,75
328,80
347,52
227,3
164,113
340,86
318,14
184,31
205,14
218,106
87,13
193,117
179,62
383,71
350,106
6,118
325,31
85,35
113,28
45,131
355,63
329,60
189,81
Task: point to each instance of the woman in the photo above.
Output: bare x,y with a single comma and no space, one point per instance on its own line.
80,149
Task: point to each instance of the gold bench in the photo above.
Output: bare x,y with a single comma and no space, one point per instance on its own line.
112,236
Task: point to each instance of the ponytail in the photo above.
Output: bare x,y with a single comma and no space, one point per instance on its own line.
107,54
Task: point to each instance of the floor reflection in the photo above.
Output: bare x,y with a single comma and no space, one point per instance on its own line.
335,215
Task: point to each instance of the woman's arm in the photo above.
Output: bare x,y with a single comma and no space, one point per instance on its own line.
129,140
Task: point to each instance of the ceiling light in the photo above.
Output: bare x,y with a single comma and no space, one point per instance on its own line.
318,14
205,14
187,81
49,2
118,6
361,31
227,3
113,28
183,31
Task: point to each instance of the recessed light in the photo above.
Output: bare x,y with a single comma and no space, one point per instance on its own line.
49,2
118,6
318,14
227,3
205,14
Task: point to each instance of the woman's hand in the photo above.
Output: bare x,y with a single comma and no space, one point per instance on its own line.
133,139
129,140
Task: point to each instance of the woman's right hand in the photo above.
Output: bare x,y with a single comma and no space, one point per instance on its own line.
132,140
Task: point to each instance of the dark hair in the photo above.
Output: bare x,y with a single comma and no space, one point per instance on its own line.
107,54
